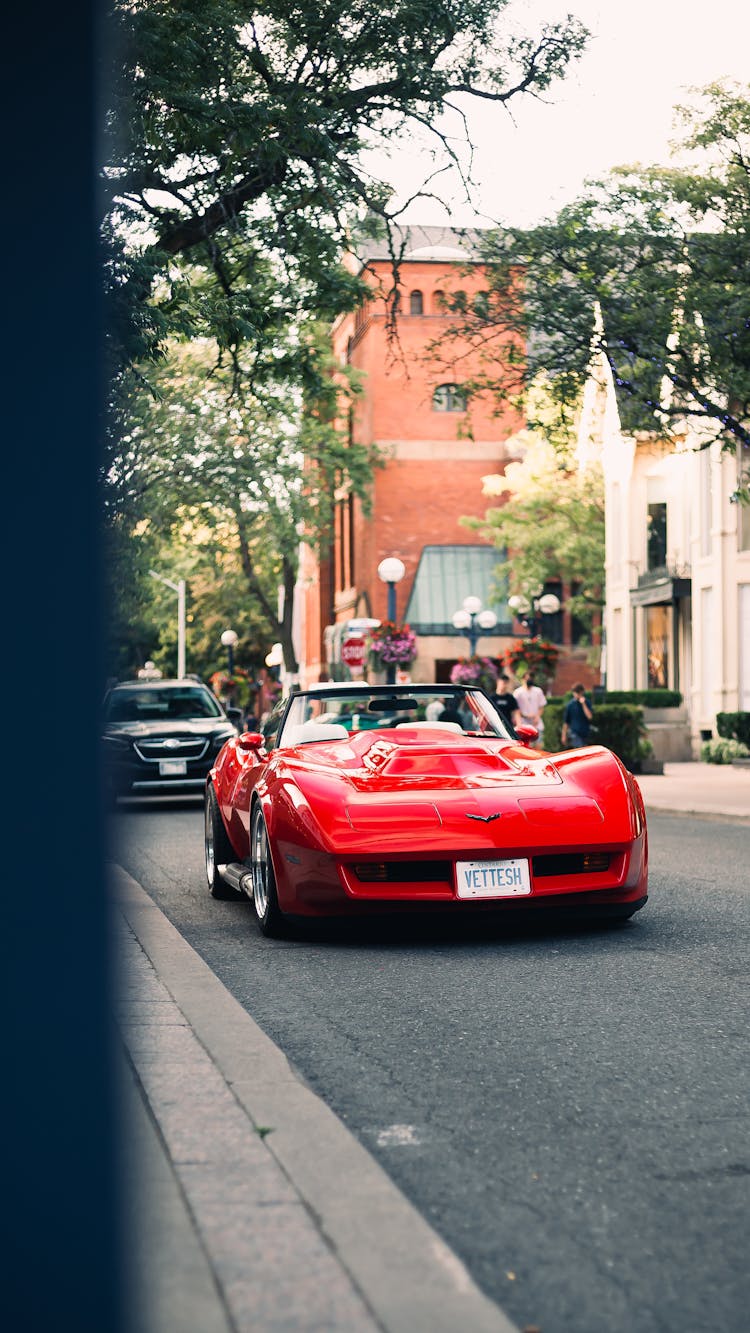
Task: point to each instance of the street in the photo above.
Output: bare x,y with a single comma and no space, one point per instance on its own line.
567,1108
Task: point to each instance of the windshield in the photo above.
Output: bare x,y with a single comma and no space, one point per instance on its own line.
375,707
160,705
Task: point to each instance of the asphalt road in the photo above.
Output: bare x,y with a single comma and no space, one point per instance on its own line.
568,1109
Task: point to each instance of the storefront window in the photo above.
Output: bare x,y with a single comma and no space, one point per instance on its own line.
657,536
743,479
658,628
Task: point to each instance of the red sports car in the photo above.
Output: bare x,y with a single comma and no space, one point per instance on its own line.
362,798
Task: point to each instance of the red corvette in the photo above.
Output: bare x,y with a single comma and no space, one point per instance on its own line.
361,798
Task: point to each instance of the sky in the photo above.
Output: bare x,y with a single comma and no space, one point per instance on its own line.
614,107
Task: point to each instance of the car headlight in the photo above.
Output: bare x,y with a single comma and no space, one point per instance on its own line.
115,743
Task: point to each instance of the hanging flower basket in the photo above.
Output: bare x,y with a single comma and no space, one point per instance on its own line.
392,645
533,655
227,687
480,671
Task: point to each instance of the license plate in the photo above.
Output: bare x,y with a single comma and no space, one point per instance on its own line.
493,879
172,768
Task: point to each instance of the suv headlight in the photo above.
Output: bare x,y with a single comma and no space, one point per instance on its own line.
221,737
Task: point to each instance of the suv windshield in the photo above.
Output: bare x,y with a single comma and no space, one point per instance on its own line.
161,704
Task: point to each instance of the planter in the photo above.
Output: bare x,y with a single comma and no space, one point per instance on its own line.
669,733
649,766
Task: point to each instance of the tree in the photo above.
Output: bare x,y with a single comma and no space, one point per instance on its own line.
551,524
235,141
237,480
233,177
651,269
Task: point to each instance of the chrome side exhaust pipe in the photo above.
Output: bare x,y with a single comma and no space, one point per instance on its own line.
238,877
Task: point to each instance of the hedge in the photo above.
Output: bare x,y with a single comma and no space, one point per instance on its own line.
619,727
646,698
734,726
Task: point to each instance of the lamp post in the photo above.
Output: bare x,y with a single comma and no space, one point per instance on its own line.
179,588
229,639
275,660
529,610
473,621
391,571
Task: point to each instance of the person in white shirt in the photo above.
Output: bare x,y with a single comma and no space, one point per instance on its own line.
531,701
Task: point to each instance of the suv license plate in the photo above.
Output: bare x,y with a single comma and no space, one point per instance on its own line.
493,879
172,768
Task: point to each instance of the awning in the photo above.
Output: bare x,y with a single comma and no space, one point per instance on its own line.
662,592
446,575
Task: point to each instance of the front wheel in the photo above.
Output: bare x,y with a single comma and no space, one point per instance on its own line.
218,850
265,899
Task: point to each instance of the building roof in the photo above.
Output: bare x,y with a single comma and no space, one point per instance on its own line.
423,244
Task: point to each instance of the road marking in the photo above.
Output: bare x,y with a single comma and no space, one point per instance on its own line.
398,1136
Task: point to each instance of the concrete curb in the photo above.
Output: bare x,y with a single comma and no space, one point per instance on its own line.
302,1229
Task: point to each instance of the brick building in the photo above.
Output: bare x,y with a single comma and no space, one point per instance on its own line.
413,408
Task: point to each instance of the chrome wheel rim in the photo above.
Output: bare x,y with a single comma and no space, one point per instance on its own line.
209,845
261,865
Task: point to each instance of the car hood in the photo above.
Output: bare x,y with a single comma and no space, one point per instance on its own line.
199,726
486,792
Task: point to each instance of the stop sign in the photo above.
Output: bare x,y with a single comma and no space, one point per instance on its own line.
353,650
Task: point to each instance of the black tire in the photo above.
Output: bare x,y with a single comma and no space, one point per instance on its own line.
265,899
218,851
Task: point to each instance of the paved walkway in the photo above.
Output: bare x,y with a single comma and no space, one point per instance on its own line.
715,790
251,1208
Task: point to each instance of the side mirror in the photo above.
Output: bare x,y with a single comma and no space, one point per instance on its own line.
235,715
250,740
525,733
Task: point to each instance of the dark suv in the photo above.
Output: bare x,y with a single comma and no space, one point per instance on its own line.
161,736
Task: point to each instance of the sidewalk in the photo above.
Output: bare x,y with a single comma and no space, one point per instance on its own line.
251,1208
709,790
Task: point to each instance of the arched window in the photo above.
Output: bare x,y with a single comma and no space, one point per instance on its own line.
416,303
481,304
449,398
438,302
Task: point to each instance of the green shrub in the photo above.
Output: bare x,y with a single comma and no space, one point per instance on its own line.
734,726
619,727
723,751
552,724
646,698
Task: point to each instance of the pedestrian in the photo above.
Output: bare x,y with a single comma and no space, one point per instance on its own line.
504,702
531,701
451,712
577,716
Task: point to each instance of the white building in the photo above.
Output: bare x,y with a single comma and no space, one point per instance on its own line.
677,562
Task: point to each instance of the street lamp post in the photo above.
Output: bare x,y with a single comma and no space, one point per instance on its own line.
529,610
473,621
391,571
179,588
229,639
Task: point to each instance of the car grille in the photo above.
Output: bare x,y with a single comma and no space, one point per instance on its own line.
416,872
172,747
